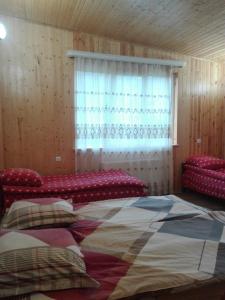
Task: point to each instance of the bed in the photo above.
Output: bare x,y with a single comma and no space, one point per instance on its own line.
205,175
148,248
91,186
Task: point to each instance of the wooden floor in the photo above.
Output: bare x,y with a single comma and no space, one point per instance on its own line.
202,200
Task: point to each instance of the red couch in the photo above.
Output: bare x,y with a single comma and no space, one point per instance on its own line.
205,174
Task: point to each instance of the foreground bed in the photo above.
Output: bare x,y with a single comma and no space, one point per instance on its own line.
149,248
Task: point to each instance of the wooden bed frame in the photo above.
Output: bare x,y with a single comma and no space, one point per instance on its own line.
214,291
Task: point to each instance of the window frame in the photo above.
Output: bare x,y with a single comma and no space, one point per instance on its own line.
175,86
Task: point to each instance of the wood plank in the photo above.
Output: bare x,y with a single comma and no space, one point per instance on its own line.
193,27
37,97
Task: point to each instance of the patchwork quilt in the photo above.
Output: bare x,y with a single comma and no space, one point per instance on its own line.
143,245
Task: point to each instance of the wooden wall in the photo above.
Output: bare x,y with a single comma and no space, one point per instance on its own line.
36,89
200,103
1,137
222,82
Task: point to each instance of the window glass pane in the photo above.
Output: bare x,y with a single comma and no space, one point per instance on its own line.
122,106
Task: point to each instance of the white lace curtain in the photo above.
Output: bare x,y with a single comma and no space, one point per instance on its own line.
124,120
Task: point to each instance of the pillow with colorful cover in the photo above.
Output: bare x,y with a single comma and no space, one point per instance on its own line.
206,162
37,213
20,177
40,260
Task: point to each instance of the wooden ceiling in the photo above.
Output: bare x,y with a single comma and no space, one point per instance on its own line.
194,27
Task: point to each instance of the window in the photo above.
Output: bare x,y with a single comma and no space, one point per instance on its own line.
124,116
122,105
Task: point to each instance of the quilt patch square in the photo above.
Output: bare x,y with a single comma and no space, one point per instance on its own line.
162,205
197,227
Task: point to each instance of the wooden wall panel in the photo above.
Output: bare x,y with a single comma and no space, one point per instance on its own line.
36,87
200,104
37,97
193,27
1,136
222,83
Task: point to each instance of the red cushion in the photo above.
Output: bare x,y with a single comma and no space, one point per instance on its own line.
206,162
20,177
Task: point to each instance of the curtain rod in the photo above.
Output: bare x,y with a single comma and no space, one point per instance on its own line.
124,58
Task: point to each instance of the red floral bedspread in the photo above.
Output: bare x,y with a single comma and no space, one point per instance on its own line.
209,182
82,187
